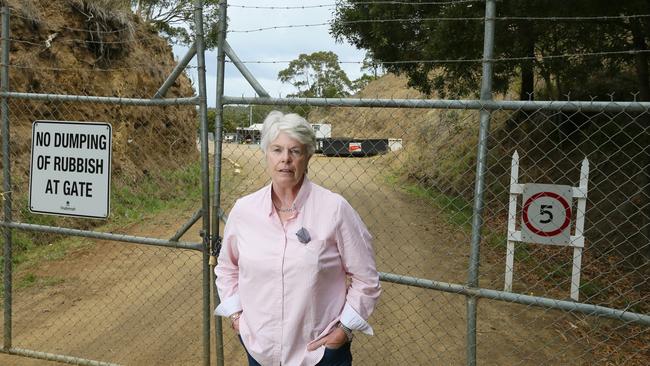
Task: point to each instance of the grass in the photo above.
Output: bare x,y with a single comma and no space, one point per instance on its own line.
457,210
32,280
590,288
134,202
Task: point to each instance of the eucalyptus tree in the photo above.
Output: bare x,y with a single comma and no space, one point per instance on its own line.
175,19
317,75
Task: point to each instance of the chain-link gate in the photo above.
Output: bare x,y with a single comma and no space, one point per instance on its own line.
439,189
108,302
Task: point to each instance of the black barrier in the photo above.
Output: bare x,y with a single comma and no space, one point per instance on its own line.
353,147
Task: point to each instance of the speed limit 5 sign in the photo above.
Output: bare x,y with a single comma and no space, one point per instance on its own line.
546,214
547,210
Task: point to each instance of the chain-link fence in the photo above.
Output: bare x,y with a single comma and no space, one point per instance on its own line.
407,164
126,289
441,185
416,198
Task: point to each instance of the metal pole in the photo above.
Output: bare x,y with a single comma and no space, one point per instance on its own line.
510,105
178,70
479,188
221,65
186,226
56,357
6,161
103,236
205,178
106,100
244,70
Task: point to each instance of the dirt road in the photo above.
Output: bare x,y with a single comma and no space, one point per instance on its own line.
139,305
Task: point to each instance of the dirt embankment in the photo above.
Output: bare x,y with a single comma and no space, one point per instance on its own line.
80,47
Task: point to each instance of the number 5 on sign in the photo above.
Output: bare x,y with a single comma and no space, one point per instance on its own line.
546,216
546,210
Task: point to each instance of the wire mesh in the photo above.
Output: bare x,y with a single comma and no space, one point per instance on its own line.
614,272
416,195
98,299
413,185
108,301
404,237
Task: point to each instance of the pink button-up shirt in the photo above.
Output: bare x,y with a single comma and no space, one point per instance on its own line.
291,293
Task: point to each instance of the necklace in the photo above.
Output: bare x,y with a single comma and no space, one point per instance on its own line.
285,210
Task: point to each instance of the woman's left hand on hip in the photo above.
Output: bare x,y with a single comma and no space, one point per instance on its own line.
336,339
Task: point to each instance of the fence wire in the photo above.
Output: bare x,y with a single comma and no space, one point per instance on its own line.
416,198
140,305
81,299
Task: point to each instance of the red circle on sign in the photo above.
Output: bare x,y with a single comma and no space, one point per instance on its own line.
563,202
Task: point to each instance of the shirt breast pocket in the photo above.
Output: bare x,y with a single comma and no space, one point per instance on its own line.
310,260
314,247
320,255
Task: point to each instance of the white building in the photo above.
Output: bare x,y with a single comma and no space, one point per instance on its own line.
322,130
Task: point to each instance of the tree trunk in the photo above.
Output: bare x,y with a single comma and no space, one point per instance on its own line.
527,82
527,66
641,61
527,90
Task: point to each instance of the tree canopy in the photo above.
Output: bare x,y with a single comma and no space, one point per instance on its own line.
317,75
561,56
175,19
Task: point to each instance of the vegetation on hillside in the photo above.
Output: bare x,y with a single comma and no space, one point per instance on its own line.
439,156
540,46
80,47
581,50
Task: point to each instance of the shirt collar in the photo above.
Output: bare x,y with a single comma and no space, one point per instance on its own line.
303,193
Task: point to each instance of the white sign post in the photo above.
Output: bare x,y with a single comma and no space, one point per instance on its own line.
546,219
70,170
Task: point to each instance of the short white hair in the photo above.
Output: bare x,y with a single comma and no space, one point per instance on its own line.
293,125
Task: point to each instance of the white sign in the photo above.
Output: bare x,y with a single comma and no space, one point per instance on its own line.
70,171
546,214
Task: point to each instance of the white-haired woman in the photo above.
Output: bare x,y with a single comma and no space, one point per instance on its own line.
287,251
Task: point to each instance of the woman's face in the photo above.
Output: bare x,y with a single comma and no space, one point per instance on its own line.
286,160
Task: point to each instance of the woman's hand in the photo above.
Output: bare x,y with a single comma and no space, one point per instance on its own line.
336,339
235,325
234,321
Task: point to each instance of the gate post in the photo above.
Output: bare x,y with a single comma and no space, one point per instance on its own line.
205,178
216,203
479,187
6,194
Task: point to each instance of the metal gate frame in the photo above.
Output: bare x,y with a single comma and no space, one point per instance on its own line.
8,224
471,289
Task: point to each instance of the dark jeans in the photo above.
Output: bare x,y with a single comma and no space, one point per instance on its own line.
332,357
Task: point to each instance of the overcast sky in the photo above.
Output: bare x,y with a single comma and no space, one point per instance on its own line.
284,44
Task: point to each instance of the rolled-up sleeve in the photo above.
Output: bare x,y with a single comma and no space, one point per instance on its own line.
227,269
355,247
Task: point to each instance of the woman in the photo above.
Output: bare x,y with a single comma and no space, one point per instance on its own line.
287,251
